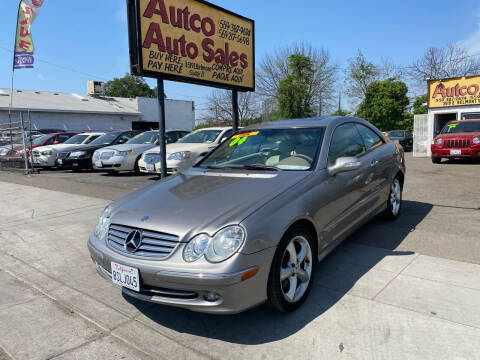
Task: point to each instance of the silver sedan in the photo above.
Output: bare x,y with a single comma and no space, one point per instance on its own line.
246,224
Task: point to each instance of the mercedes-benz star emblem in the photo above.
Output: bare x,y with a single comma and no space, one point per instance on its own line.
133,241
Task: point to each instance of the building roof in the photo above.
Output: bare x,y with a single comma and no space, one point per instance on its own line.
44,101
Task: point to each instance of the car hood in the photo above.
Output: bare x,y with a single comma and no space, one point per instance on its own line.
126,147
200,200
194,148
460,134
88,147
58,148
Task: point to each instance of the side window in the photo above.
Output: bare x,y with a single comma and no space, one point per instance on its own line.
227,134
62,138
171,137
124,138
50,141
346,141
370,139
91,139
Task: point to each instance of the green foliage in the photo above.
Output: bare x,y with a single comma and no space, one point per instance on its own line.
128,86
293,91
418,107
384,104
341,112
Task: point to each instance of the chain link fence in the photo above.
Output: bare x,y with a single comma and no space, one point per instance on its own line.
15,144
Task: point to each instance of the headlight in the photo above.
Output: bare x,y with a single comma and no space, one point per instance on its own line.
47,152
224,244
196,248
181,155
101,230
78,154
439,141
476,140
124,153
216,249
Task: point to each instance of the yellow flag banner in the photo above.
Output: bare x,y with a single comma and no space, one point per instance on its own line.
27,12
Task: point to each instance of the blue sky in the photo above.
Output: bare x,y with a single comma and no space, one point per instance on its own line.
90,36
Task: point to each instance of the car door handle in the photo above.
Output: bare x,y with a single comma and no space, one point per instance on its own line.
374,163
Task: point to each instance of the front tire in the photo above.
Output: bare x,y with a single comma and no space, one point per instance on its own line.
436,160
291,273
394,202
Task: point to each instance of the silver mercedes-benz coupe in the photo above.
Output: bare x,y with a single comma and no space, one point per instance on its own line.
247,223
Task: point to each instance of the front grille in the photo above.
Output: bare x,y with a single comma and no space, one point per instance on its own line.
456,143
152,158
106,155
63,155
153,244
35,153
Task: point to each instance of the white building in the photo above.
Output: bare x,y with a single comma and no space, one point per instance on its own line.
84,112
448,99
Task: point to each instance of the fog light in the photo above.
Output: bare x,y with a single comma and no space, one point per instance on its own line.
211,297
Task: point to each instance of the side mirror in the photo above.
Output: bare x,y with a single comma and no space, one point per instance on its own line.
224,139
344,164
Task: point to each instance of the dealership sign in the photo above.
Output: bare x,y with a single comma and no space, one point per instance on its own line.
454,92
191,41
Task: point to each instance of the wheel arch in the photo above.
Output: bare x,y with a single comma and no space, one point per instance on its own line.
310,227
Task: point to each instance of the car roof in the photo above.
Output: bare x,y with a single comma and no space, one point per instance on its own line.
216,128
301,123
460,121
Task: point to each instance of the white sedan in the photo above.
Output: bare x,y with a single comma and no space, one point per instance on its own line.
46,156
125,157
186,151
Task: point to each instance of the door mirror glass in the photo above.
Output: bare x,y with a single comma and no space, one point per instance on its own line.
344,164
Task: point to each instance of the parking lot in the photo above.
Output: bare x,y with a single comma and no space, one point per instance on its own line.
407,289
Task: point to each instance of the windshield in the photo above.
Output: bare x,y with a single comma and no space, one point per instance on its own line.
458,127
395,134
106,139
77,139
267,149
149,137
41,140
201,137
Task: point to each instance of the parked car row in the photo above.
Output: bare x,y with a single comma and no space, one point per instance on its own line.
130,150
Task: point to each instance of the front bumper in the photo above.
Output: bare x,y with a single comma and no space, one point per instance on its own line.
44,160
173,166
164,283
473,152
117,163
75,163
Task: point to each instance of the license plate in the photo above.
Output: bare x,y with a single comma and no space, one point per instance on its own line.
150,167
455,152
75,164
60,161
98,163
125,276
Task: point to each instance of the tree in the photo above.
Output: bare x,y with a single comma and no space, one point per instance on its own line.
359,75
220,111
293,91
340,112
442,63
128,86
385,104
418,105
321,90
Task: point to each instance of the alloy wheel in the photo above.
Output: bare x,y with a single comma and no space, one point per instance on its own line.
296,269
395,197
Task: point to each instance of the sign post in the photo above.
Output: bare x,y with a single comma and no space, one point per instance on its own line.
191,41
161,127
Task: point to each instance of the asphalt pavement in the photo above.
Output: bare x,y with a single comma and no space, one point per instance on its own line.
403,290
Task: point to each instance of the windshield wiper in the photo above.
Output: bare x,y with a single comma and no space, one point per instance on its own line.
244,167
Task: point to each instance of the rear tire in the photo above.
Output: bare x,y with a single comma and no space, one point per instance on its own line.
436,160
394,202
291,273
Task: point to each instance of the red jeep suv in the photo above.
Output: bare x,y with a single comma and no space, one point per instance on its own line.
458,139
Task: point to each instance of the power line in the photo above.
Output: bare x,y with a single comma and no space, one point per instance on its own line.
60,66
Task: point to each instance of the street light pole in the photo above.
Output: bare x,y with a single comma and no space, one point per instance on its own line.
161,128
